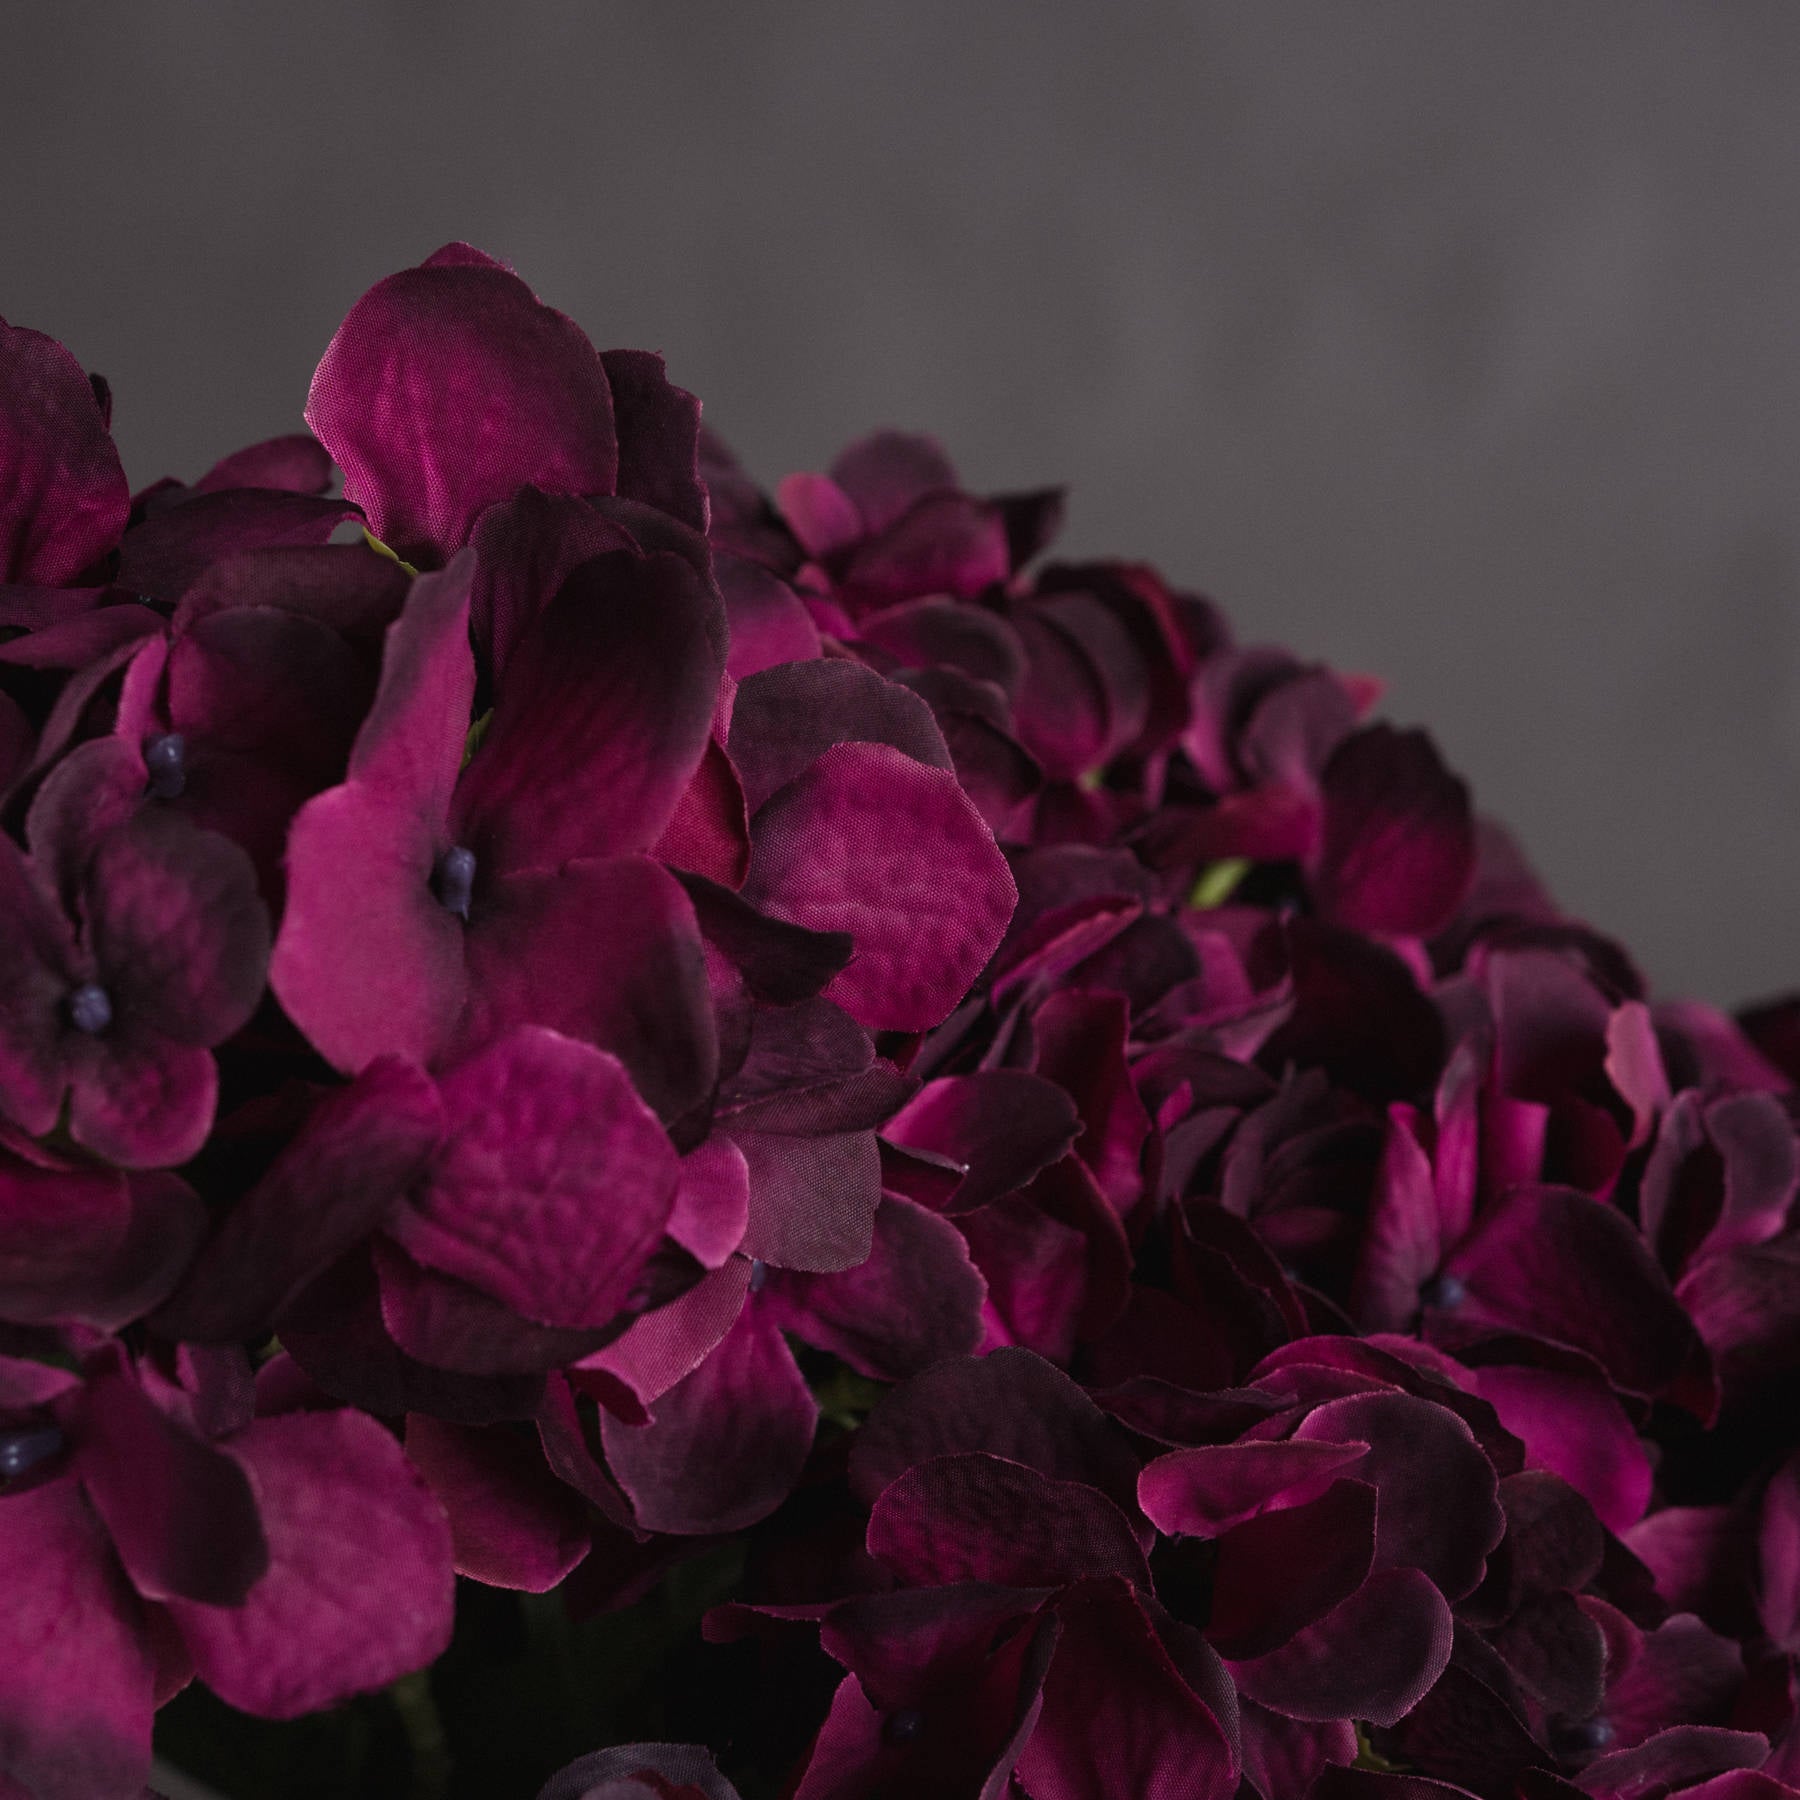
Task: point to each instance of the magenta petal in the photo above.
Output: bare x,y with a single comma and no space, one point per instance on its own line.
75,1670
1399,839
1371,1657
141,1101
785,718
606,950
658,1349
916,1299
726,1444
769,621
512,1523
182,1515
63,497
886,471
1573,1423
359,1590
1779,1558
976,1517
942,544
553,1185
870,842
367,962
605,712
447,388
333,1184
1119,1722
712,1201
709,832
1205,1491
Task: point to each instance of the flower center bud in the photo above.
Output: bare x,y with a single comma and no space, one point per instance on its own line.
1586,1737
453,880
1444,1292
165,758
759,1273
905,1726
90,1008
25,1446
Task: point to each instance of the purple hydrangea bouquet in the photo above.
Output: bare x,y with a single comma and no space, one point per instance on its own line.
766,1146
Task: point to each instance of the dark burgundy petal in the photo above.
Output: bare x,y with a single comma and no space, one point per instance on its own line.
870,842
812,1198
977,1517
1002,1125
512,1523
447,388
784,719
65,496
1080,1041
333,1184
359,1590
661,1347
38,970
933,633
726,1444
1282,1571
1677,1757
659,436
605,712
589,1777
178,928
1685,1674
916,1299
1439,1508
708,834
296,464
139,1100
1746,1304
1779,1558
75,1671
1398,850
885,472
606,950
182,1514
1205,1491
1119,1722
1371,1657
1010,1404
1570,1269
166,554
942,544
1401,1243
56,1225
781,963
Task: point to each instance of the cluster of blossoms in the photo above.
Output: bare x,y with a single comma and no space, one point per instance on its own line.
558,1012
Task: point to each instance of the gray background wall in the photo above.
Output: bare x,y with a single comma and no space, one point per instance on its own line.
1450,341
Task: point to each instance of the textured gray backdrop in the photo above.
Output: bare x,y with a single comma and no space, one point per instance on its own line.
1449,341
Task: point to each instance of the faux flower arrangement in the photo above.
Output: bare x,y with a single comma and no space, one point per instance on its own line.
972,1189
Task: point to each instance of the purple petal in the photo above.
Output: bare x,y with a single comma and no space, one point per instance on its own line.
726,1444
784,719
942,544
447,388
709,832
712,1201
769,622
884,473
637,990
1119,1722
512,1523
66,499
182,1515
75,1670
605,713
333,1184
1002,1125
819,513
1685,1674
662,1347
1371,1657
139,1100
359,1590
1399,839
870,842
297,464
1676,1757
915,1300
977,1517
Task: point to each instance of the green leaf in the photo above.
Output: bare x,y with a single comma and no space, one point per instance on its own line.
1217,882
